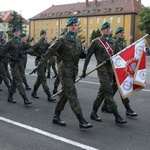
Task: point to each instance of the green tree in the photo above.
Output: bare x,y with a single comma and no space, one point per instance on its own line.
16,20
95,34
144,23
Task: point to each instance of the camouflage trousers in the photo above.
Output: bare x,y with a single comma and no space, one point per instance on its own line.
51,63
69,93
105,91
16,80
3,74
41,79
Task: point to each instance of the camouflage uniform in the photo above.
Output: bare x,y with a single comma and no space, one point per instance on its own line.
69,50
40,49
3,57
14,48
105,74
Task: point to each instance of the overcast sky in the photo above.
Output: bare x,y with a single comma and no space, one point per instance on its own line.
30,8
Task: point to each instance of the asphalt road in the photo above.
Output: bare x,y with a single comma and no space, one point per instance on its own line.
31,128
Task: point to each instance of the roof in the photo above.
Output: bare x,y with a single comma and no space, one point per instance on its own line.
7,15
92,8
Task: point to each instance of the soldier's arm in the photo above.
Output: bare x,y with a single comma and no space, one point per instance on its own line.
55,46
90,52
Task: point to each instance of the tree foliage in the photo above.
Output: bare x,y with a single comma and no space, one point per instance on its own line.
95,34
144,23
16,20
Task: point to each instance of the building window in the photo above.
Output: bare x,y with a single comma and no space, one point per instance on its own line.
96,10
56,32
46,22
76,12
111,20
57,22
90,31
67,12
61,22
90,20
84,21
105,10
50,14
104,19
97,20
86,11
118,9
51,22
51,31
118,19
84,31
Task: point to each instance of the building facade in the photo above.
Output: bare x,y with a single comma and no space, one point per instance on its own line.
91,15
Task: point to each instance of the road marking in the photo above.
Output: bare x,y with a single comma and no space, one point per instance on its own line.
53,136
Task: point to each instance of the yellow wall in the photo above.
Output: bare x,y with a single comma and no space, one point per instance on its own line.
56,25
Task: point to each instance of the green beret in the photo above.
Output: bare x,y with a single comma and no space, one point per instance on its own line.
16,29
105,25
119,29
23,35
1,32
62,32
43,32
71,21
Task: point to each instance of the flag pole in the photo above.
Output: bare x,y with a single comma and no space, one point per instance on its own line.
77,80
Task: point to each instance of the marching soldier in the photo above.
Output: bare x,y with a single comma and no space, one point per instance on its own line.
69,49
14,48
40,48
23,61
121,43
3,57
103,47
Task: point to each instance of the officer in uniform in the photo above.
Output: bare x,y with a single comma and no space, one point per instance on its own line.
3,57
105,72
14,48
69,49
40,48
121,43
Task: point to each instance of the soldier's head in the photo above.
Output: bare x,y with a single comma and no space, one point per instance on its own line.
119,32
72,24
24,36
16,31
43,33
105,28
62,32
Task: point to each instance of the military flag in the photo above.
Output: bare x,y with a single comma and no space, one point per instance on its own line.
129,67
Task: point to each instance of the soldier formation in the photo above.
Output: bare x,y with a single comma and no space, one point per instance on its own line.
66,51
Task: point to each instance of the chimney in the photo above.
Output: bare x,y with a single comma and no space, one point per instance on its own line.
95,2
87,3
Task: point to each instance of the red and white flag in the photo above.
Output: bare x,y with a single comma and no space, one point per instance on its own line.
130,69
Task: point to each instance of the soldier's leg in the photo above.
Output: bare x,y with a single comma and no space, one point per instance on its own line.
54,69
129,111
56,84
48,69
12,90
7,71
18,82
24,79
71,95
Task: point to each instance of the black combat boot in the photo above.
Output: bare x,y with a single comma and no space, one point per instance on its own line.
48,75
82,122
33,94
26,85
57,120
118,118
105,107
10,98
55,90
26,101
49,96
129,111
94,115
